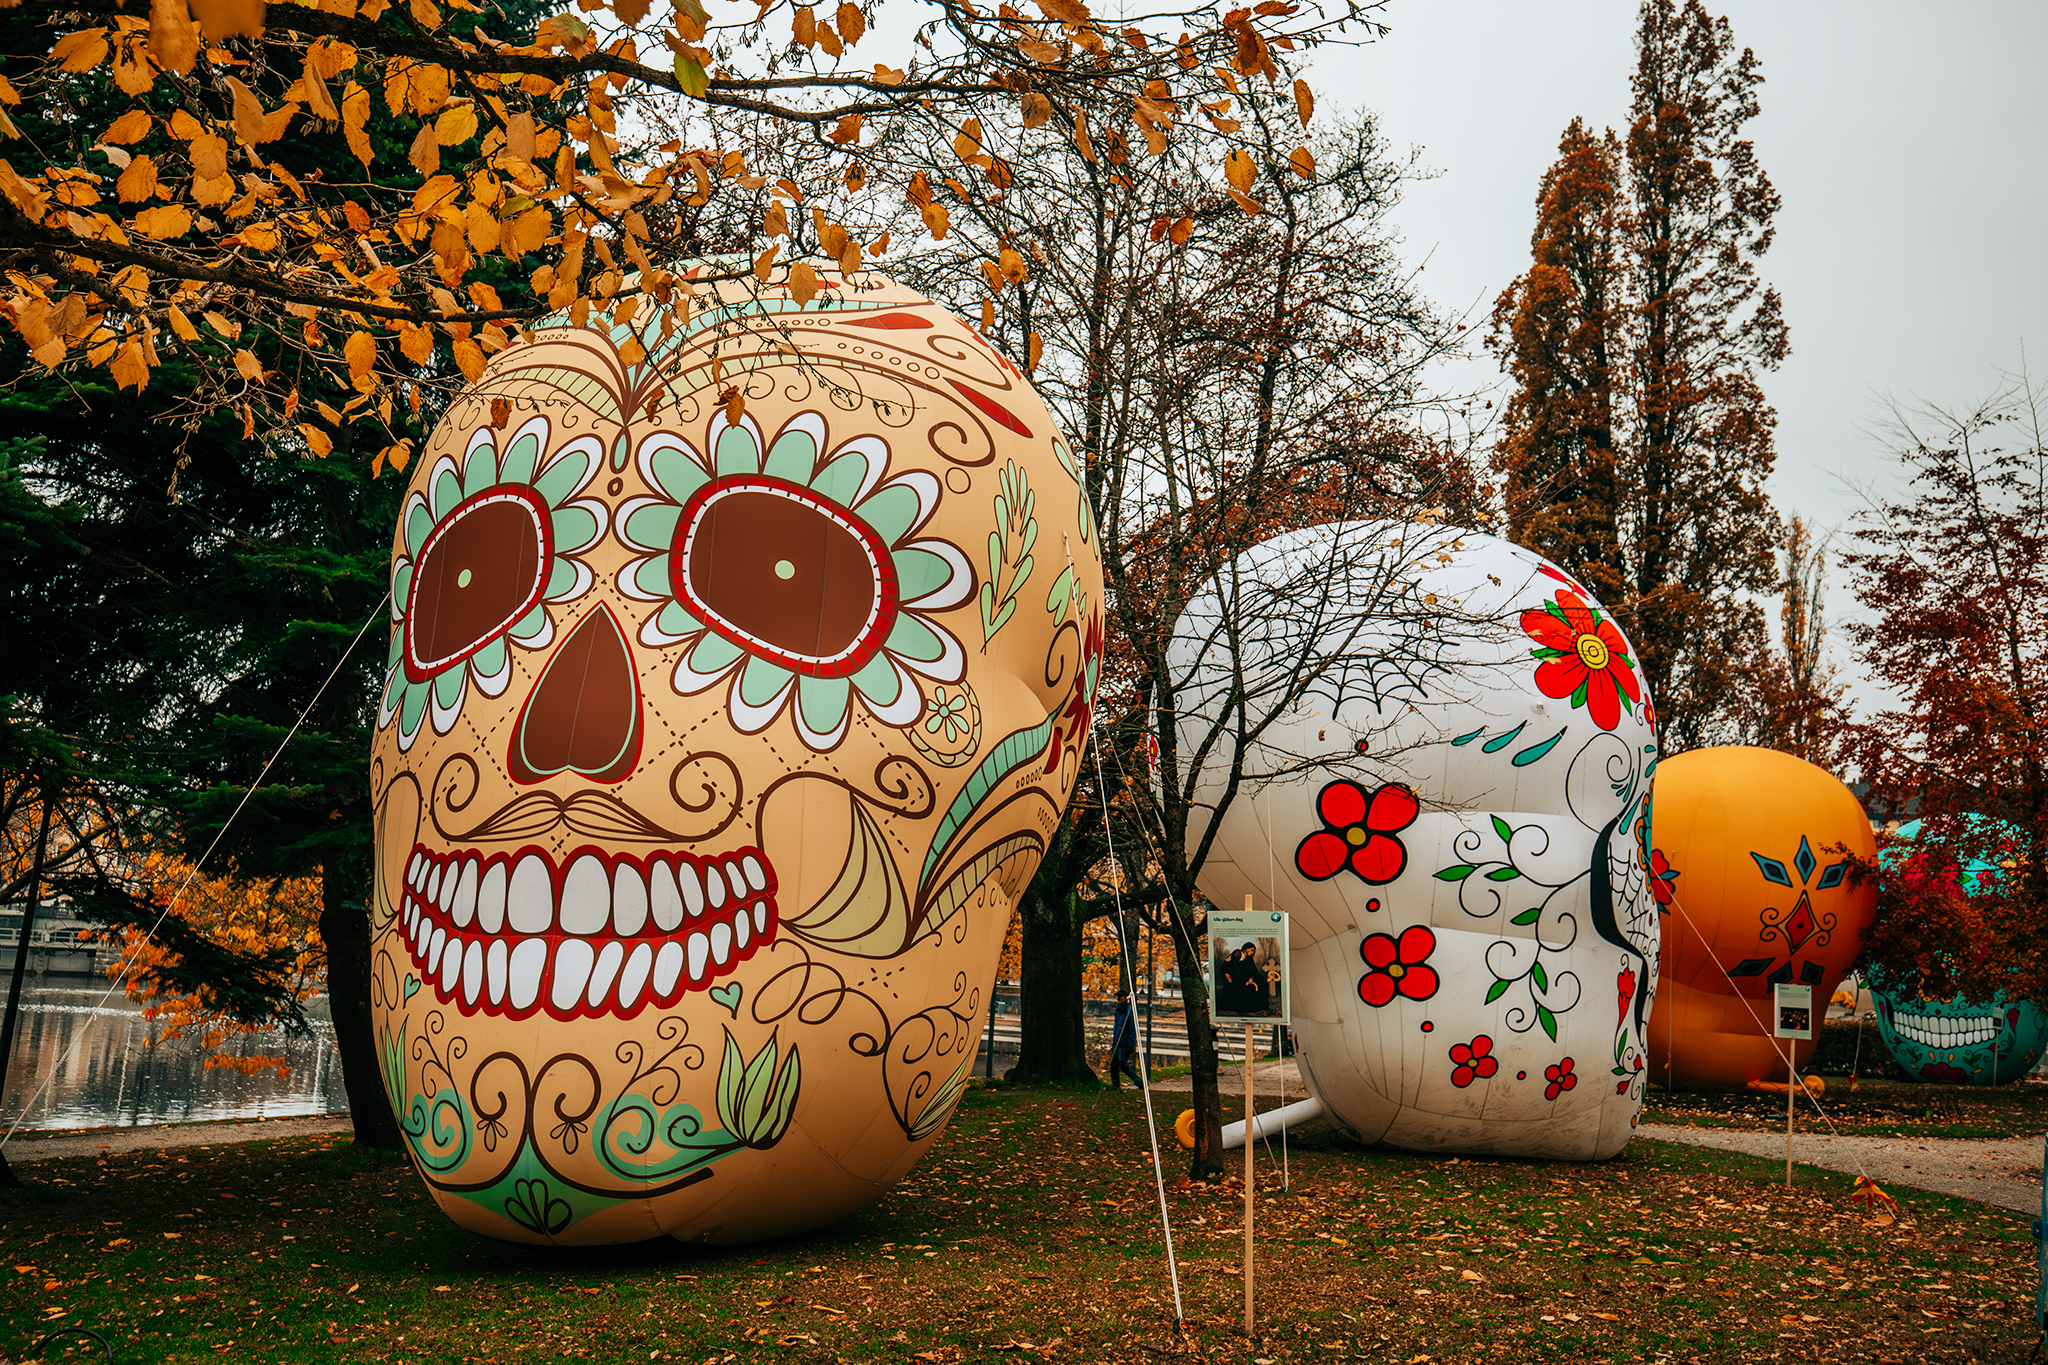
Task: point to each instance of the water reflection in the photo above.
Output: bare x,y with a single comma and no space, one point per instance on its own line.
102,1068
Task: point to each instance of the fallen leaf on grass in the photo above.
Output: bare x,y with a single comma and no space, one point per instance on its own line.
1608,1317
1471,1277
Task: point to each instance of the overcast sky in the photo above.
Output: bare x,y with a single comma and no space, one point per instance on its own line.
1909,143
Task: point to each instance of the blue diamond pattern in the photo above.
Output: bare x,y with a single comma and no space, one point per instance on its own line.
1805,861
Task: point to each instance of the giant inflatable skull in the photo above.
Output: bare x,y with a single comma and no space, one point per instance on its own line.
740,663
1453,810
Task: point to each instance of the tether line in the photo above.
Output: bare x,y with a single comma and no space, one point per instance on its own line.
128,953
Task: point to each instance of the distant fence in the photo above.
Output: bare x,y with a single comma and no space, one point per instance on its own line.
1168,1035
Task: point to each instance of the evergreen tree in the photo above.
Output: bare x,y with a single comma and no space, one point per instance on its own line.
181,587
1640,330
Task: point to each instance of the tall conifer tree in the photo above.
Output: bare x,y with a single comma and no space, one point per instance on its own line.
1640,330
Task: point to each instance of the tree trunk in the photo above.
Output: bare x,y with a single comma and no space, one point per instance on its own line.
1207,1161
1054,1039
345,927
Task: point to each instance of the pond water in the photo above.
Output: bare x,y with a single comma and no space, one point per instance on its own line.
102,1067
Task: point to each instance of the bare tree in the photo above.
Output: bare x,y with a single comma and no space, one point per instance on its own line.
1226,375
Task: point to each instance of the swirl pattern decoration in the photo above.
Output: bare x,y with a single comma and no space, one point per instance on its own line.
709,764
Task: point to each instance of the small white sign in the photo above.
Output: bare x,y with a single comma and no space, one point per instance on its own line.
1792,1007
1248,967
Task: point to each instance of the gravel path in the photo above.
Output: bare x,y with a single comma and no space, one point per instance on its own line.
47,1146
2001,1171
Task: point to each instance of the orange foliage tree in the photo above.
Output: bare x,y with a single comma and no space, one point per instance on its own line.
1953,577
274,924
620,157
1637,440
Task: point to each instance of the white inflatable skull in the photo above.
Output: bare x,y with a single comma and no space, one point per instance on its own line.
1453,815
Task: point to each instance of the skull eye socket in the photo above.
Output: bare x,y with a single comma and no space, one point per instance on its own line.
481,569
781,571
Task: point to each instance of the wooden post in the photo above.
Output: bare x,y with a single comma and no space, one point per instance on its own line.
1791,1094
1248,1144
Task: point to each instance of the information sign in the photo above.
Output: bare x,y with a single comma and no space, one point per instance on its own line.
1793,1008
1248,967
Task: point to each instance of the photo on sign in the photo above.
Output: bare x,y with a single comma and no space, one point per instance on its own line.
1795,1021
1247,977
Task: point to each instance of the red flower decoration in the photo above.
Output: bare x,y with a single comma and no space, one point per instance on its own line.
1662,875
1943,1074
1561,1079
1358,833
1473,1061
1624,991
1584,658
1397,966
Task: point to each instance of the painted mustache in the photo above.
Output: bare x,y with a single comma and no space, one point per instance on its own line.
596,936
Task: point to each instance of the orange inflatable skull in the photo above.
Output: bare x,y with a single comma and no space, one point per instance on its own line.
740,664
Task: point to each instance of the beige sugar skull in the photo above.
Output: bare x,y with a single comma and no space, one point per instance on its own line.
740,665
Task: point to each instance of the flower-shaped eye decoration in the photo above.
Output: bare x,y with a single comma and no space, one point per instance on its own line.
1358,833
796,573
487,546
1584,658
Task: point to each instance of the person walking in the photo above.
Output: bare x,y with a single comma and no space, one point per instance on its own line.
1123,1044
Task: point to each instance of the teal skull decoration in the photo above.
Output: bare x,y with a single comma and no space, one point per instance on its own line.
1955,1041
1958,1041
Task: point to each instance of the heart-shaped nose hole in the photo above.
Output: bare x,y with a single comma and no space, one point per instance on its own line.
583,716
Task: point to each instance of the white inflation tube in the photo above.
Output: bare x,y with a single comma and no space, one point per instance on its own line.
1272,1121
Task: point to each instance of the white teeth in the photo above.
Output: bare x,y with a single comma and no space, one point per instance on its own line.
529,959
667,900
601,976
572,968
586,897
633,976
629,901
692,889
464,908
476,928
490,900
668,965
494,969
530,902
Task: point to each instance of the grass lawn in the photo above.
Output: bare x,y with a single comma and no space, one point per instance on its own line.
1875,1108
1031,1233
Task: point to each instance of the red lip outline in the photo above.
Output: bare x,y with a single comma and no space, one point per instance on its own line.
515,973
